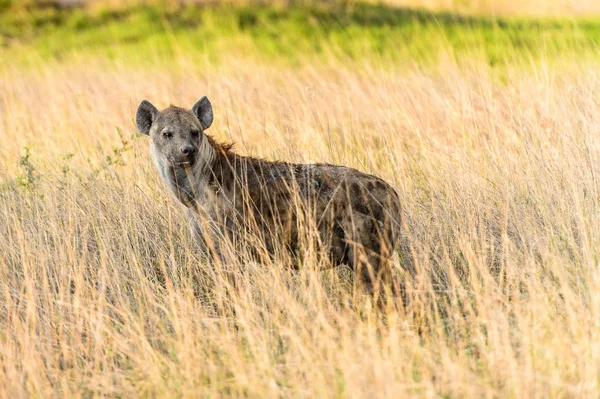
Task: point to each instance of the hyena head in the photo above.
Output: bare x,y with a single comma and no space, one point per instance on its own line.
176,134
179,146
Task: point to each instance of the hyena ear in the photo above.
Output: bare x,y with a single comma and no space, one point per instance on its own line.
203,111
146,115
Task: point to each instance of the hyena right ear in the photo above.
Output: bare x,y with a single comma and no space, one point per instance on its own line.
146,115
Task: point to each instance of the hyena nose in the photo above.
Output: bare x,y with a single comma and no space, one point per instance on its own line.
188,150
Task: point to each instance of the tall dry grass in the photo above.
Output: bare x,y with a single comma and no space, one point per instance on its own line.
102,291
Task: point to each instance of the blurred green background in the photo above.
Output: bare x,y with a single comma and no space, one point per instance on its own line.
288,31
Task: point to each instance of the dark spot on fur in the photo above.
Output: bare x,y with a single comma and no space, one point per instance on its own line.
376,236
324,188
228,184
359,205
381,186
266,212
377,211
293,240
356,191
297,170
338,246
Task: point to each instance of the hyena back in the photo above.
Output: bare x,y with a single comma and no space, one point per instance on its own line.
228,196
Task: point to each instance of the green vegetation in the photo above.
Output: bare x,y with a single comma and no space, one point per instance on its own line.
287,34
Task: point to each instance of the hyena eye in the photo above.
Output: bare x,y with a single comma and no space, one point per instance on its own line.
195,133
167,135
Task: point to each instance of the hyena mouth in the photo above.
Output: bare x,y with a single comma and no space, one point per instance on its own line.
183,164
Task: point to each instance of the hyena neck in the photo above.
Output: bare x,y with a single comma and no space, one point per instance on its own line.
228,169
189,184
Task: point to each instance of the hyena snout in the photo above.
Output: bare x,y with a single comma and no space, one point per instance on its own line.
184,153
188,151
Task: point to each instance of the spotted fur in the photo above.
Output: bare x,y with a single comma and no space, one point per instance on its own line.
230,197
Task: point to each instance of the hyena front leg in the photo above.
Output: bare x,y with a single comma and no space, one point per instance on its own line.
198,232
214,244
372,269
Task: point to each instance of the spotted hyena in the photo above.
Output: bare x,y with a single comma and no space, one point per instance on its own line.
230,197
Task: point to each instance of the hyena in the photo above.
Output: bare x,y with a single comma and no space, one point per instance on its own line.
228,196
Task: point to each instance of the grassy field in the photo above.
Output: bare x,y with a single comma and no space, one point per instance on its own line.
488,128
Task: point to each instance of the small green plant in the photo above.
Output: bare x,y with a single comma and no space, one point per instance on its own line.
65,168
29,177
116,158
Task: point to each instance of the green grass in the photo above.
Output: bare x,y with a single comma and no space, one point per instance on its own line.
355,32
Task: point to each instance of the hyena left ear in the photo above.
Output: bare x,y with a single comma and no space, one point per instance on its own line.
203,111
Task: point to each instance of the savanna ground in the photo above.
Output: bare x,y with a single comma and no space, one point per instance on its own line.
489,128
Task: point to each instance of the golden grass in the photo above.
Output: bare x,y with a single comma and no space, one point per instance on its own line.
102,291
